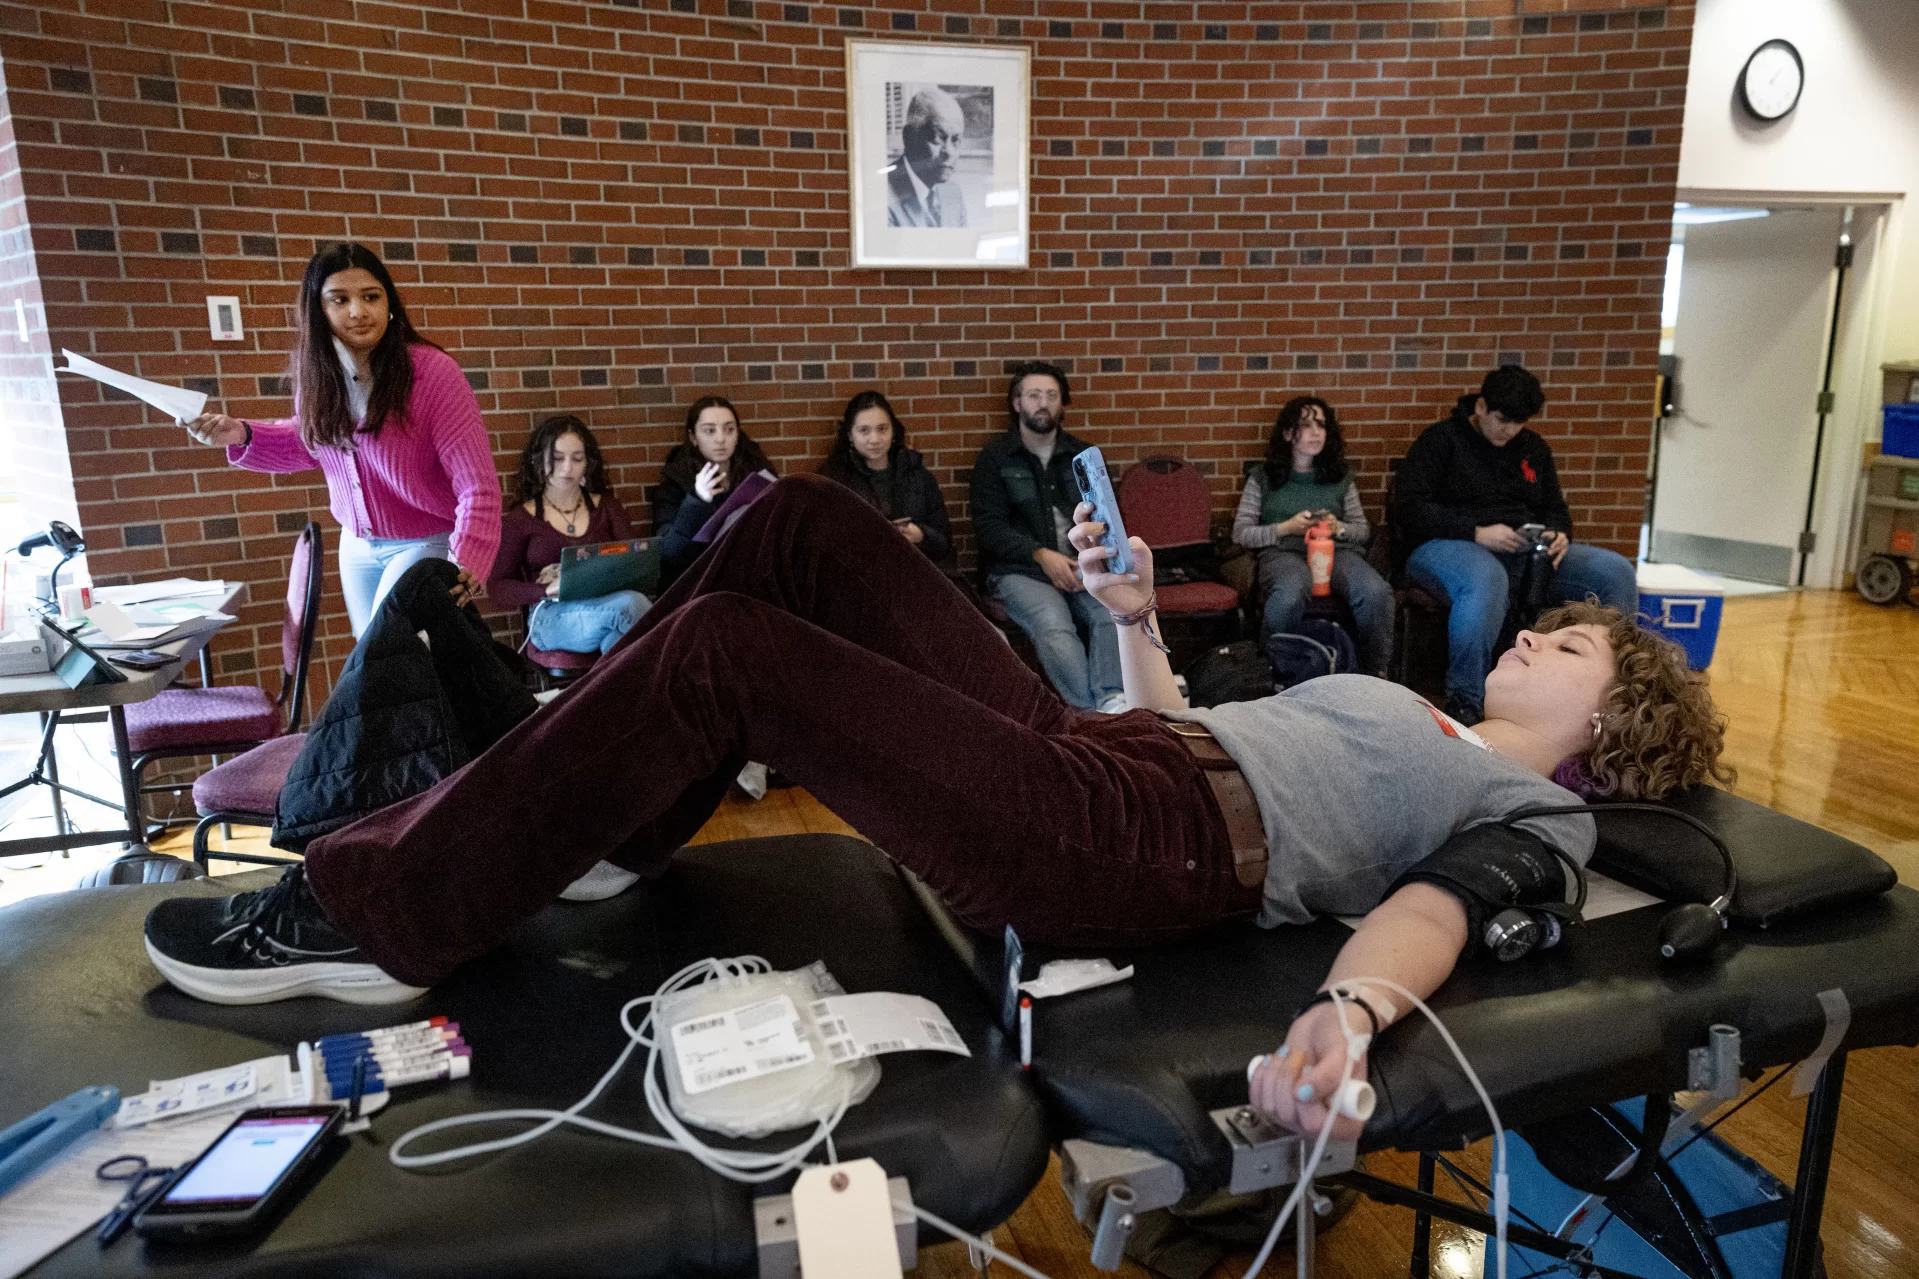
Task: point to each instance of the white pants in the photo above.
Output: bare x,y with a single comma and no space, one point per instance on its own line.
369,566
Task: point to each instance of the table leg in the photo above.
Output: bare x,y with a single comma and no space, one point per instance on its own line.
1815,1161
129,782
50,763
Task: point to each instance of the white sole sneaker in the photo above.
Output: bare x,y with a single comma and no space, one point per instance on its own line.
348,983
603,881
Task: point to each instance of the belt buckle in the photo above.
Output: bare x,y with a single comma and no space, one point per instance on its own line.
1184,728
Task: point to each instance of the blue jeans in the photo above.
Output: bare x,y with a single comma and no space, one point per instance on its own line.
585,626
1287,581
369,566
1078,646
1477,583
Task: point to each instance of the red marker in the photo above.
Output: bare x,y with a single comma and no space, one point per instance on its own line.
1025,1032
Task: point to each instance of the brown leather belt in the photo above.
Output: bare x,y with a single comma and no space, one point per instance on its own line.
1244,830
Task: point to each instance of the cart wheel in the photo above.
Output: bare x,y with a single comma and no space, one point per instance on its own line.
1883,580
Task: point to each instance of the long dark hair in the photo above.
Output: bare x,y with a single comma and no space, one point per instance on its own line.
326,412
842,451
536,462
747,456
1328,468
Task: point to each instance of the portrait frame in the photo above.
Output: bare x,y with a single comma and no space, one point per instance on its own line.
939,155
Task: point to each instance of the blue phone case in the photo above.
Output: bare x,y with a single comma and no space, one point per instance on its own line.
1089,468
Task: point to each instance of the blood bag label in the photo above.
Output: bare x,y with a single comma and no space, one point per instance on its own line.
856,1026
755,1039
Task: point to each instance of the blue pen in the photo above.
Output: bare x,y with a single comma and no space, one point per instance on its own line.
32,1143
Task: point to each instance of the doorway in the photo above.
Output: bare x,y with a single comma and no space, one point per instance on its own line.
1751,326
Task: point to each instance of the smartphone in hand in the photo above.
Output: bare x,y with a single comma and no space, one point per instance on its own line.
1096,487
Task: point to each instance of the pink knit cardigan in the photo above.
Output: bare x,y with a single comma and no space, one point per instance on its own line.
430,472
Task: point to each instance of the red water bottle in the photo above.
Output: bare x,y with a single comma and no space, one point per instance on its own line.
1319,557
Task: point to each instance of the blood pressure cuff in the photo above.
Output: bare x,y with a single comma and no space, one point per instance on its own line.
1489,868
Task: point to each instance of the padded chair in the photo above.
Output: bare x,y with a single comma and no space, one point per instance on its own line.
1167,503
183,722
244,792
1419,616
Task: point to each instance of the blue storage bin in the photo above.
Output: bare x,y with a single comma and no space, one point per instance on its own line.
1684,606
1901,435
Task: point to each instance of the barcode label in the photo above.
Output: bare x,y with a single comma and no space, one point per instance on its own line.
858,1026
742,1043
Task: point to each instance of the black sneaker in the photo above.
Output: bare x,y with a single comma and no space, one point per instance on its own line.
261,946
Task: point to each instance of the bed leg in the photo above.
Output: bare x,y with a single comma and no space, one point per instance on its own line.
1422,1267
1815,1161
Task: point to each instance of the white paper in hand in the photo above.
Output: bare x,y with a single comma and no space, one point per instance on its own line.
176,401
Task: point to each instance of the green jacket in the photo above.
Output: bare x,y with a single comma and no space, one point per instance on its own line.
1013,499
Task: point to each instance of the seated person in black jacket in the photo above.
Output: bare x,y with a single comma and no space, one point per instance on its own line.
870,457
717,455
1468,485
1023,499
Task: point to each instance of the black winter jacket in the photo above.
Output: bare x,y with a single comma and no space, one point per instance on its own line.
679,512
1454,480
915,496
404,714
1014,498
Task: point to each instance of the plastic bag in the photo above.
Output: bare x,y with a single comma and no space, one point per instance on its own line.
744,1057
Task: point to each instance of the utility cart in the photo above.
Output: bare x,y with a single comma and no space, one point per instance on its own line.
1888,529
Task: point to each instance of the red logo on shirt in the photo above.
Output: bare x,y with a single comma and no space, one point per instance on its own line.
1445,724
1526,469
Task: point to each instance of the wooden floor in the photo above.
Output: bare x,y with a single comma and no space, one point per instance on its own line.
1822,694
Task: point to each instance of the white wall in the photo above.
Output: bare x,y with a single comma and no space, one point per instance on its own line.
1855,132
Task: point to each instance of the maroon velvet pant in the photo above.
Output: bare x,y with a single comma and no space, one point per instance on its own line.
811,637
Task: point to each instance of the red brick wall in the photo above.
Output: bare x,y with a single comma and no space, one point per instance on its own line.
608,208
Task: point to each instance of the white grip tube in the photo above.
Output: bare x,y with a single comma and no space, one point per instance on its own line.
1356,1100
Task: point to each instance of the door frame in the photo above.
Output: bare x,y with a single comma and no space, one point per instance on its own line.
1856,381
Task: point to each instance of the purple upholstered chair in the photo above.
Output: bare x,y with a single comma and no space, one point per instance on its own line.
244,792
229,720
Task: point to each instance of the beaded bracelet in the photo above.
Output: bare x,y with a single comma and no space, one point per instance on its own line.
1143,619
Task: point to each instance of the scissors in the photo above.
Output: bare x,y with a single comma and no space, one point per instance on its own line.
144,1184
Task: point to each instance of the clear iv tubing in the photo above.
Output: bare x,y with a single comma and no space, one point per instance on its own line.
1341,993
750,1167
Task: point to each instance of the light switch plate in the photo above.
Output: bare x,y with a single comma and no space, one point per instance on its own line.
223,319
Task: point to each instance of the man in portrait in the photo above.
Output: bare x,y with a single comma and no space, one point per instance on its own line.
920,189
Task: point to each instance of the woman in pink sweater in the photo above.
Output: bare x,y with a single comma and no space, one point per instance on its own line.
391,422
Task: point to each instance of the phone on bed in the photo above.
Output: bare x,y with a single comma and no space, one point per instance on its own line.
1096,487
243,1179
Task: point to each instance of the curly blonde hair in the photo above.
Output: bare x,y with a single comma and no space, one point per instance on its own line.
1658,730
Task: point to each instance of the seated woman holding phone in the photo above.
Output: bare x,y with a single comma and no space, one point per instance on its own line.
715,457
561,499
1306,481
870,457
812,637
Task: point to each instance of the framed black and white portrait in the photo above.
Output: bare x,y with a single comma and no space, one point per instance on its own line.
939,159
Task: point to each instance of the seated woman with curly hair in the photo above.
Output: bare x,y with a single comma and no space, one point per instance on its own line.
811,637
561,499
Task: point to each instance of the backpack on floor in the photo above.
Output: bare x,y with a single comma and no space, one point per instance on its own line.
1319,647
1236,672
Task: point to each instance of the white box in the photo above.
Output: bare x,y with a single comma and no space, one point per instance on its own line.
24,653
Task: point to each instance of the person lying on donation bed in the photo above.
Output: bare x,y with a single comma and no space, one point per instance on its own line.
810,638
1305,479
715,456
870,457
561,499
390,421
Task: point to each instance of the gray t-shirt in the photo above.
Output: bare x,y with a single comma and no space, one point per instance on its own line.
1358,780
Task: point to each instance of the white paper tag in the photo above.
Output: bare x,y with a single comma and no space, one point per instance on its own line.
740,1043
856,1026
844,1218
190,1094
